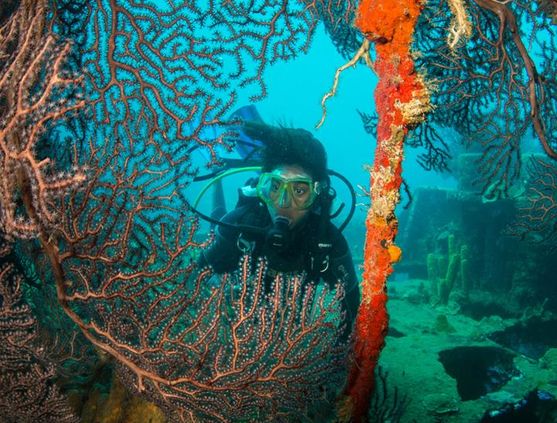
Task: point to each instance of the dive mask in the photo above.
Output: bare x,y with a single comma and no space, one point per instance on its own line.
284,189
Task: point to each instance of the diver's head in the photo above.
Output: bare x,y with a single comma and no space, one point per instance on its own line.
289,191
294,171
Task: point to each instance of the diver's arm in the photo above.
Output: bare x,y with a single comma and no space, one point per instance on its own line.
223,254
341,268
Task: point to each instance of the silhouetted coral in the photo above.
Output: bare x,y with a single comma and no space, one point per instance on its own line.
387,404
537,217
494,87
28,393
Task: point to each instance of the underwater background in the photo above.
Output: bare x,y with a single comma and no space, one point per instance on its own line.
488,346
111,111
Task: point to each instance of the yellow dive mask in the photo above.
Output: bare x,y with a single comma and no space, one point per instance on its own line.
283,189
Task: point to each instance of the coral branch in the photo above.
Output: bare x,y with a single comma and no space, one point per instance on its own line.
36,93
460,28
27,389
218,353
362,53
493,91
508,22
402,101
537,219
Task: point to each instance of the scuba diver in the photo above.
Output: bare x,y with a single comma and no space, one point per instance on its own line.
284,215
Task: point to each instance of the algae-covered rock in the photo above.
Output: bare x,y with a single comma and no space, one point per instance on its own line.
549,360
438,405
442,325
119,406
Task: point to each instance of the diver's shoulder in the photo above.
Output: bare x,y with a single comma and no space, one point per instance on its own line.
332,229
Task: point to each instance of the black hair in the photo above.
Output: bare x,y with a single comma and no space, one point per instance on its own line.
289,146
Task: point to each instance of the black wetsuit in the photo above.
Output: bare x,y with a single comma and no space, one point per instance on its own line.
336,266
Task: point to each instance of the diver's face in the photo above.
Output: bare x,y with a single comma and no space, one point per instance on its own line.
285,202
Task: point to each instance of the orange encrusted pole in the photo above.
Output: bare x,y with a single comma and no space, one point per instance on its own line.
402,101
